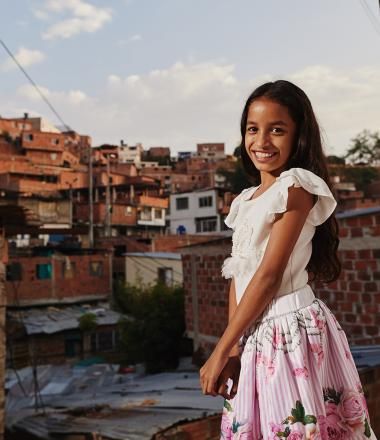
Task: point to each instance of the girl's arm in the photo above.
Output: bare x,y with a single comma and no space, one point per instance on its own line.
264,284
232,305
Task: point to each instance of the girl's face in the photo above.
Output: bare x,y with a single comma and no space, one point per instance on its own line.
269,136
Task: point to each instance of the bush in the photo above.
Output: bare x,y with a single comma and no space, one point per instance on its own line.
87,322
154,335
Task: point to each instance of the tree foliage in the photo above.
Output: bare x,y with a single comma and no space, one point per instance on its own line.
237,179
153,333
336,160
87,322
364,149
360,176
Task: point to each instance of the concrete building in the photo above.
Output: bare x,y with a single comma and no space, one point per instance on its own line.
130,153
197,212
211,150
152,267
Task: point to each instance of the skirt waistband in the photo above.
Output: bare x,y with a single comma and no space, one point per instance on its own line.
288,303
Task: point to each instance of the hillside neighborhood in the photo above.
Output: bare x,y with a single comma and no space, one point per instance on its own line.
84,227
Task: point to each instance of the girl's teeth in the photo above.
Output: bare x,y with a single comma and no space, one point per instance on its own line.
264,154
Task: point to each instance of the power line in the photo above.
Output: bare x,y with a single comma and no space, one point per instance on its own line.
372,18
35,85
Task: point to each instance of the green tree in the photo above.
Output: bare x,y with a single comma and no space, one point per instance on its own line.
153,331
336,160
364,149
87,325
237,179
362,176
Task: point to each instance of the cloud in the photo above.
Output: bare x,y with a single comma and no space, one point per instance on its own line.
186,104
81,16
133,39
136,37
345,101
72,98
26,57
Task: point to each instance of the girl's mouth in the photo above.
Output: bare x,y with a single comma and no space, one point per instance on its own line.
263,157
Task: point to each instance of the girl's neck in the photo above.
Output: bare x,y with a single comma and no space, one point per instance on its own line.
266,179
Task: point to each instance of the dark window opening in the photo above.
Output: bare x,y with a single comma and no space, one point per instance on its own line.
96,268
14,272
205,201
44,271
165,276
182,203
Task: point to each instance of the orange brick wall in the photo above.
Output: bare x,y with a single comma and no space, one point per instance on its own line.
31,290
118,216
354,297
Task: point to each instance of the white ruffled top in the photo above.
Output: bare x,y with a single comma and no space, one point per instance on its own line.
252,219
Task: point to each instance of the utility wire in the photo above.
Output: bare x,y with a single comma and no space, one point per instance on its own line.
67,128
372,18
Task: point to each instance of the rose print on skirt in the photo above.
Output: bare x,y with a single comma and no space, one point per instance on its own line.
297,380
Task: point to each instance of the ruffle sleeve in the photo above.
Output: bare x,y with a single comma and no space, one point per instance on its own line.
230,220
312,183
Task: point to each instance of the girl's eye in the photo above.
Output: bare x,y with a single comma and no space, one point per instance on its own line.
252,129
277,130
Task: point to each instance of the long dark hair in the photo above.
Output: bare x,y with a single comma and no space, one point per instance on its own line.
324,264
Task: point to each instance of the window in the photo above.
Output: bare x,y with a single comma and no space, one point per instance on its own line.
158,213
104,340
128,210
165,276
206,224
73,344
68,270
205,201
96,268
182,203
43,271
28,137
14,272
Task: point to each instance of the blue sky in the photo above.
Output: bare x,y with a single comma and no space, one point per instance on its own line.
177,72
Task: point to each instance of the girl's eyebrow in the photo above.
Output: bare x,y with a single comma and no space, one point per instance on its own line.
279,122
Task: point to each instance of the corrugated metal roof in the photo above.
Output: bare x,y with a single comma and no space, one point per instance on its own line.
366,355
52,320
358,212
99,399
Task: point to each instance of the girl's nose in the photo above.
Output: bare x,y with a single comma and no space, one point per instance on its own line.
261,139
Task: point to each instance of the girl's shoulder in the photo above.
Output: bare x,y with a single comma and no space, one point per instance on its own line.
312,183
230,220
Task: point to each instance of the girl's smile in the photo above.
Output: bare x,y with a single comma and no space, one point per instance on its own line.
269,135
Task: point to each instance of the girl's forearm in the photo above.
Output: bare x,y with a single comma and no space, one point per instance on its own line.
259,292
232,305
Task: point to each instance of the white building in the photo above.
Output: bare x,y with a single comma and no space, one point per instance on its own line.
130,153
196,212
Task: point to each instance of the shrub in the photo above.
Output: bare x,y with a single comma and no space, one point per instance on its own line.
154,335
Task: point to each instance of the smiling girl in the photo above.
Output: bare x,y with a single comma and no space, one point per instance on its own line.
283,364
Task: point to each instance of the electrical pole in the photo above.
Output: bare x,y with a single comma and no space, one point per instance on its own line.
90,200
107,231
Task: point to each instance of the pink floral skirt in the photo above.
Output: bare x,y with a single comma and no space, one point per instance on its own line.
298,379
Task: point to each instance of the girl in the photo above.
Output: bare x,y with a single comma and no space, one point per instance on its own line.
283,364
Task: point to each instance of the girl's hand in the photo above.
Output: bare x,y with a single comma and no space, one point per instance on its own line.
210,372
230,371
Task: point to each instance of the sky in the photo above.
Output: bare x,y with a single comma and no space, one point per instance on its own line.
177,72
